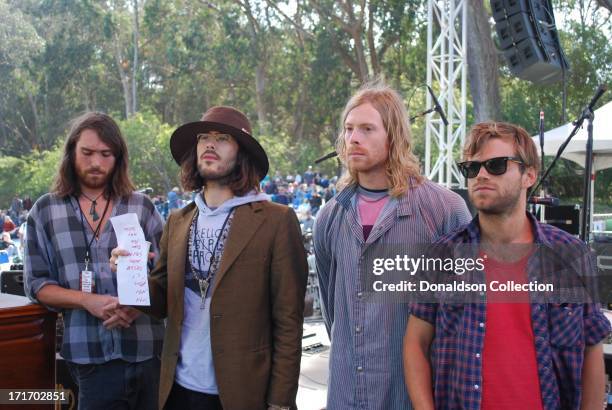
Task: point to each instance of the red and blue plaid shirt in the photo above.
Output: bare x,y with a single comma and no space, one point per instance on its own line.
561,333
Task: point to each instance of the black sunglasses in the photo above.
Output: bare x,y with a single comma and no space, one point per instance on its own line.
494,166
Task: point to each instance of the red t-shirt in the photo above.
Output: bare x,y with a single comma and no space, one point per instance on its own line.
509,368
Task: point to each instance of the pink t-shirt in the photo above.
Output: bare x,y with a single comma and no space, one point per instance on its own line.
369,205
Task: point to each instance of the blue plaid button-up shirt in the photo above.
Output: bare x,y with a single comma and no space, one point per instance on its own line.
55,254
561,332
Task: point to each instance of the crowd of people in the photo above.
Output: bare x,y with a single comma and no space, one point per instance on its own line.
305,192
228,274
13,222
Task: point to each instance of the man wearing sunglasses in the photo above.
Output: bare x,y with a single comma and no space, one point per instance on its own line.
513,350
231,277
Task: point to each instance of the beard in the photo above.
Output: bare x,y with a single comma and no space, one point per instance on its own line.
221,176
505,203
373,161
92,180
365,165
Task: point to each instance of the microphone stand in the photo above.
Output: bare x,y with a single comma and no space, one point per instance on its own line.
585,228
543,190
436,108
424,113
587,113
542,144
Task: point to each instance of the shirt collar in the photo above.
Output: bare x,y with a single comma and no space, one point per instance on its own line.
405,203
473,230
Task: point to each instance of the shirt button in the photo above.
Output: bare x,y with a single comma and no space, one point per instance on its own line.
476,387
357,329
359,368
359,294
481,324
478,355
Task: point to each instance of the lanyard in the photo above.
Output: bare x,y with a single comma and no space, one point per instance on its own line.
96,231
198,272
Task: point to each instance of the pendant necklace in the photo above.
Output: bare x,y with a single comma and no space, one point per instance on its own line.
92,210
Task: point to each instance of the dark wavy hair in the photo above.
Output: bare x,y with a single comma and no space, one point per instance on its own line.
66,181
243,178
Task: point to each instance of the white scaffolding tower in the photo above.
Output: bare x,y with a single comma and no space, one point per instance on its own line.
447,74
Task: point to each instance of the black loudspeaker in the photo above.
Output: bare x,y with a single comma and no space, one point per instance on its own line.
603,252
565,217
528,38
11,281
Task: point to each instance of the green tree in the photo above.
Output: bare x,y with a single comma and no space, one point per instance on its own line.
151,164
19,44
10,167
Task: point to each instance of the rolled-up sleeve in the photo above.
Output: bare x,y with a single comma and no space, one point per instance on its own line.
425,311
37,267
596,325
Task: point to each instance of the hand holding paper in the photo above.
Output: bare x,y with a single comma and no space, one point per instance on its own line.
132,282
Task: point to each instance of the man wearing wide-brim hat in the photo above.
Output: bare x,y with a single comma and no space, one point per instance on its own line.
231,277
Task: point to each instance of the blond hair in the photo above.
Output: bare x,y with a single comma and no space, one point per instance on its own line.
402,165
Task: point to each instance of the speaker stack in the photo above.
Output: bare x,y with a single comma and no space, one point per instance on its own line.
528,37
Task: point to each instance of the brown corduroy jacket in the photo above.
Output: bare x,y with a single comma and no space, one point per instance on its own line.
257,305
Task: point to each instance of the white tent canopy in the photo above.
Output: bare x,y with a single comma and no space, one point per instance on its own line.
576,149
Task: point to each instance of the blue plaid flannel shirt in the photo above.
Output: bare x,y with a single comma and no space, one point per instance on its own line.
55,254
561,333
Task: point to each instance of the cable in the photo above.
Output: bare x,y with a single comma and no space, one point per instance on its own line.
412,95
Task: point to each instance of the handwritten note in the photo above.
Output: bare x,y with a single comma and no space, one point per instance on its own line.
132,283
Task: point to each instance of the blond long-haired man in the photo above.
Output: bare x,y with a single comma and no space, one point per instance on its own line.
383,200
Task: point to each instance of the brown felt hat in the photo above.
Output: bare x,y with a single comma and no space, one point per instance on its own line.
222,119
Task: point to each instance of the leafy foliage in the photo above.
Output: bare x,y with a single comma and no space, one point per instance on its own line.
289,65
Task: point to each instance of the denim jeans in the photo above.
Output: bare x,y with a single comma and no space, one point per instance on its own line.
184,399
117,385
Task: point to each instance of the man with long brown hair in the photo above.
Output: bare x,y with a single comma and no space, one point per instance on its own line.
231,277
112,352
383,200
